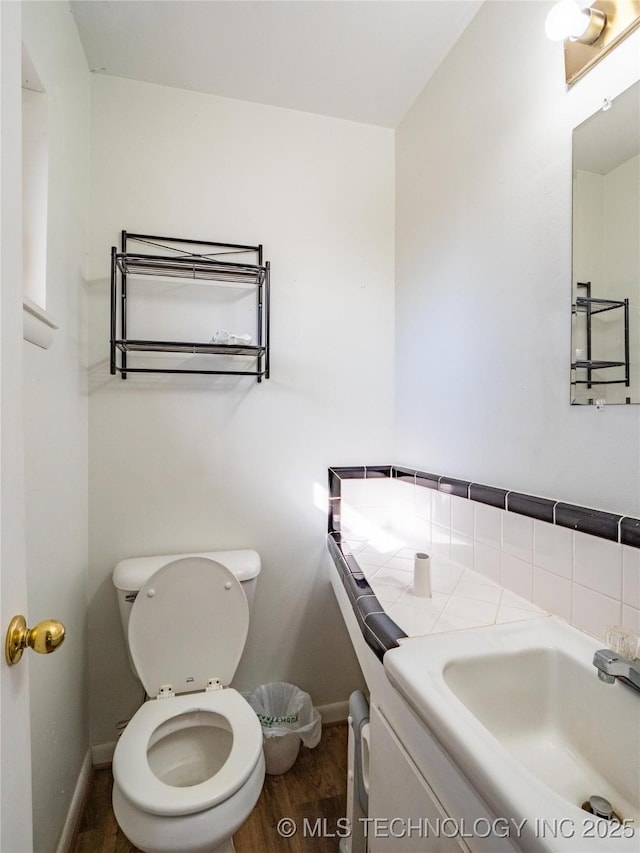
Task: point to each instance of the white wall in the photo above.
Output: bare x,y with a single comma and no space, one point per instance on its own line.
483,172
56,428
180,464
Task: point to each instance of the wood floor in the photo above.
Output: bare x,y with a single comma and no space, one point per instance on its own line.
312,793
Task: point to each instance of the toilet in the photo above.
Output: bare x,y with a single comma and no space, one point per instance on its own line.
189,767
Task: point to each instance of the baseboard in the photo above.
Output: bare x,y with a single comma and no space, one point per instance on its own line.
77,803
102,753
336,712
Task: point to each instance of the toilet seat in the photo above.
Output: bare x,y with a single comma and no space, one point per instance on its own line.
188,625
139,784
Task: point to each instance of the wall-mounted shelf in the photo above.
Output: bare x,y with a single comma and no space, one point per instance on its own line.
589,306
191,261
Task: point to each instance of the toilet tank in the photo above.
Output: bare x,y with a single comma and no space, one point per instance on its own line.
129,576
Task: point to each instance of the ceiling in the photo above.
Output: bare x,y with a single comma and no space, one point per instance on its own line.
362,60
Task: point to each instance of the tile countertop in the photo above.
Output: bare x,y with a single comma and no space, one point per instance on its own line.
461,598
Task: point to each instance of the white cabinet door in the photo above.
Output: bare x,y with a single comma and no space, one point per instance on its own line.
405,815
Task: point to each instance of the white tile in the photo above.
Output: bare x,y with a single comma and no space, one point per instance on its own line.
437,601
404,500
462,549
471,576
440,509
386,594
392,577
517,575
511,599
368,569
597,564
517,536
553,548
479,591
354,546
440,540
486,561
455,623
488,524
462,516
471,608
378,491
414,621
364,522
354,492
414,532
552,593
401,563
423,502
631,619
444,575
408,553
376,556
631,576
513,614
593,612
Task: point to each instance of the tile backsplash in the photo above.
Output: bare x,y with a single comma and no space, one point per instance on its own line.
568,564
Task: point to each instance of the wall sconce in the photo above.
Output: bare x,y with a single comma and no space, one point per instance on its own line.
590,30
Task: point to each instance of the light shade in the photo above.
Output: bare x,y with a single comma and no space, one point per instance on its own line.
567,20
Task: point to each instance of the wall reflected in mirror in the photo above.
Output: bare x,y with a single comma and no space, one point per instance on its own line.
605,321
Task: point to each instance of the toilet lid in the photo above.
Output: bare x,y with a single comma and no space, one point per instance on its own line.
188,624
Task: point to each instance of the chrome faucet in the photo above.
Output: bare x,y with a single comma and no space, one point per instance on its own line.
611,665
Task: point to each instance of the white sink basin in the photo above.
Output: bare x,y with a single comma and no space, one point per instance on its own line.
521,711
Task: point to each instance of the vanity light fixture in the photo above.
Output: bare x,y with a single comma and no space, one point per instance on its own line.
590,30
568,20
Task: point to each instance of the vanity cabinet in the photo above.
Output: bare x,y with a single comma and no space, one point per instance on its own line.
405,815
160,284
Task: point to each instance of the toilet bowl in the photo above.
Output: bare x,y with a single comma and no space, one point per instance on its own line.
189,767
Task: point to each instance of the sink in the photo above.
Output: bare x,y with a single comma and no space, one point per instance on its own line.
520,710
558,720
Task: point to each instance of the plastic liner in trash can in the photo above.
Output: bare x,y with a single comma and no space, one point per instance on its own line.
288,717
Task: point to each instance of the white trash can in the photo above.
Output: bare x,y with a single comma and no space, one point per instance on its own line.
288,718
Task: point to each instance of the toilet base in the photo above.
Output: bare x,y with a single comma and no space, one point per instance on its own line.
209,831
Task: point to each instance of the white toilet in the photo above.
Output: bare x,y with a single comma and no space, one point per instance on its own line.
189,767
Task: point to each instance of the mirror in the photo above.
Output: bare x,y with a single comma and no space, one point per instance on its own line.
605,303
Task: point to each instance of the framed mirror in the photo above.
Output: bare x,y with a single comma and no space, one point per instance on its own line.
605,303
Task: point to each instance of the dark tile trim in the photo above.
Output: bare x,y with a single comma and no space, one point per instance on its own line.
382,633
593,521
630,532
378,629
407,474
488,495
349,473
358,589
539,508
335,508
449,486
334,484
377,471
427,481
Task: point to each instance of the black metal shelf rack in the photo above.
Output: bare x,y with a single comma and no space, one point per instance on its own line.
188,260
590,306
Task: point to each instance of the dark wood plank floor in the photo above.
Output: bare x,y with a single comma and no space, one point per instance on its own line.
312,793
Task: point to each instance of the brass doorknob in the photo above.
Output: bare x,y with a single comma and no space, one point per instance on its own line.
44,638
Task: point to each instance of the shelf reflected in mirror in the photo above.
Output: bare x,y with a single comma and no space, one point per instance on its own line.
605,321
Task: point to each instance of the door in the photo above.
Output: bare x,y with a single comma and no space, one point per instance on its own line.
15,740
